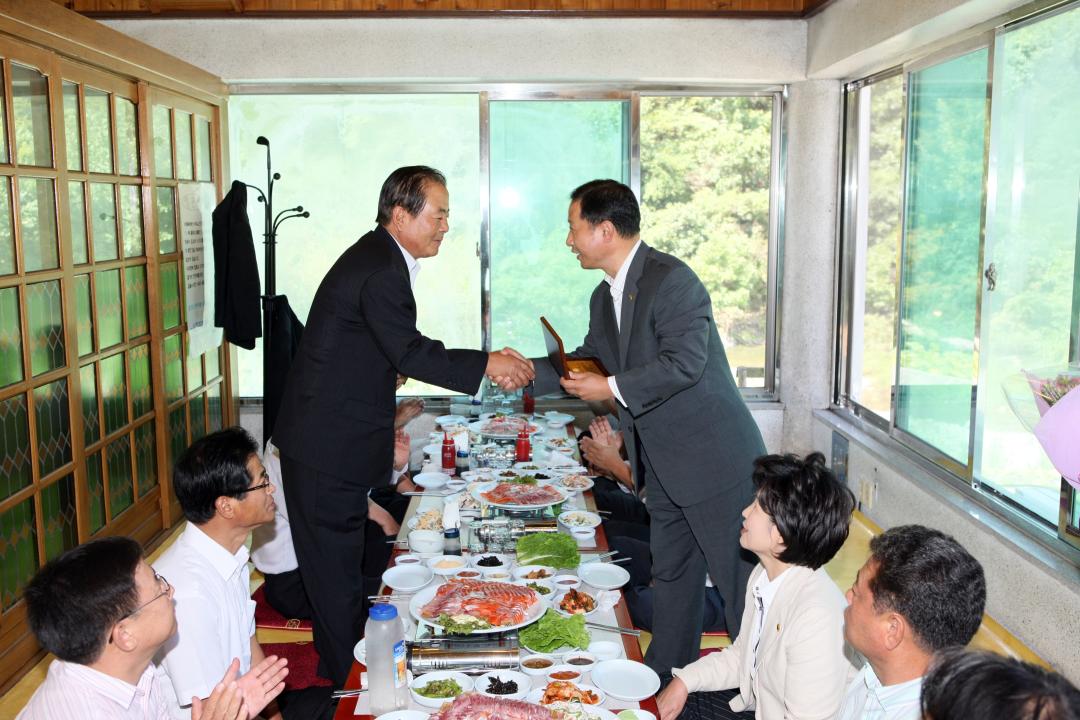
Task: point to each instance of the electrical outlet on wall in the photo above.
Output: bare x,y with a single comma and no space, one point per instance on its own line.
868,490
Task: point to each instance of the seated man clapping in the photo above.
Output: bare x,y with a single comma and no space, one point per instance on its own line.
104,613
788,660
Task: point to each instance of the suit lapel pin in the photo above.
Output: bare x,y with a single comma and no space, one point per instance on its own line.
630,296
777,627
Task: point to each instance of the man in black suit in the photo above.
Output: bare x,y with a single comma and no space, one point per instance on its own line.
690,438
335,428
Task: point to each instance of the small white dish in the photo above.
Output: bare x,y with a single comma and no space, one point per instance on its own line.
498,575
407,578
404,715
408,559
536,665
572,519
503,561
421,681
567,673
581,660
527,468
606,650
447,565
585,537
469,573
626,679
538,693
426,541
445,420
557,604
545,597
434,451
634,714
603,576
431,480
523,681
566,581
554,416
456,486
521,572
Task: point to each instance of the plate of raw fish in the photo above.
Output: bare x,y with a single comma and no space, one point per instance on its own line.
518,497
503,426
474,706
504,606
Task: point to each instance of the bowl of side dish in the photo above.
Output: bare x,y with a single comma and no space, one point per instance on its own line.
434,688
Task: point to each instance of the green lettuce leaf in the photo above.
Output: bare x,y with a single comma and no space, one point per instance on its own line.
555,549
553,631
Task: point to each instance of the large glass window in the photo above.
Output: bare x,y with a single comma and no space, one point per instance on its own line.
540,152
706,168
989,286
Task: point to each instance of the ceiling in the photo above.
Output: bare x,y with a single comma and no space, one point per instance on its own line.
780,9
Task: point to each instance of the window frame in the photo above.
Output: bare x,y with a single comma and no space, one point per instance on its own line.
1060,537
630,93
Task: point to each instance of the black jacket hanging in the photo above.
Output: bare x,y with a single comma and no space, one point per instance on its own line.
285,332
236,277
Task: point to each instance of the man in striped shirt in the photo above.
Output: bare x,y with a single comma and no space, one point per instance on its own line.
104,613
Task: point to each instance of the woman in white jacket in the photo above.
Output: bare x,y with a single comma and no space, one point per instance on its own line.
788,662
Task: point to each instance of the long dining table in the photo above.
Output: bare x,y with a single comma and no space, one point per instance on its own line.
348,706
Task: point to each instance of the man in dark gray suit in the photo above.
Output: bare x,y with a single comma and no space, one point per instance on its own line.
690,438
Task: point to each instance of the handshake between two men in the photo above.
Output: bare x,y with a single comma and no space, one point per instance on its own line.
509,369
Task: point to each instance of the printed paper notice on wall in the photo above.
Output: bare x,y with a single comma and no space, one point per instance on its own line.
196,207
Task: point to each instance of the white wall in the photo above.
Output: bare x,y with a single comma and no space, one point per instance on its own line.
488,49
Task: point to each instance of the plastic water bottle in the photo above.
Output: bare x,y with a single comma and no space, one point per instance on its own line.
386,661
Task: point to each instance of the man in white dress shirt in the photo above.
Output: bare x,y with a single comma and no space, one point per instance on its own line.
920,592
104,614
224,492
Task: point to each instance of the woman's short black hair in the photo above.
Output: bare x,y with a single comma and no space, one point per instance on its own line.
75,600
609,200
213,466
965,684
932,581
406,187
808,505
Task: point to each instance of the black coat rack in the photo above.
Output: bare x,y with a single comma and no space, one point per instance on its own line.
271,223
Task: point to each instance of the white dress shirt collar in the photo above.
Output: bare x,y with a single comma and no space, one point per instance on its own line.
410,262
226,564
868,699
120,692
619,281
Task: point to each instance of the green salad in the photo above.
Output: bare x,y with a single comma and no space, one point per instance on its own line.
554,549
461,624
553,631
447,688
522,480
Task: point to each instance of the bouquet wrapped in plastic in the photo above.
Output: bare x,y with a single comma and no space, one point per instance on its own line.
1054,416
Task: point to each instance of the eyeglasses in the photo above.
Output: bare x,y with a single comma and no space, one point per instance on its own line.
166,589
254,488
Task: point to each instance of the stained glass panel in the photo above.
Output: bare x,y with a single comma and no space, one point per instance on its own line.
138,320
166,218
30,109
184,169
145,458
142,399
202,149
98,136
45,320
118,457
18,551
72,126
77,213
112,393
177,433
131,220
95,488
11,364
84,315
213,406
58,517
213,364
37,224
127,138
7,237
198,417
170,294
109,314
15,469
53,422
103,221
162,142
174,369
91,418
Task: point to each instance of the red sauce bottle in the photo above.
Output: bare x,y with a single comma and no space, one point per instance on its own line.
449,455
522,449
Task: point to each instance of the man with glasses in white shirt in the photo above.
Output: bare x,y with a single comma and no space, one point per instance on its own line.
224,492
104,614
